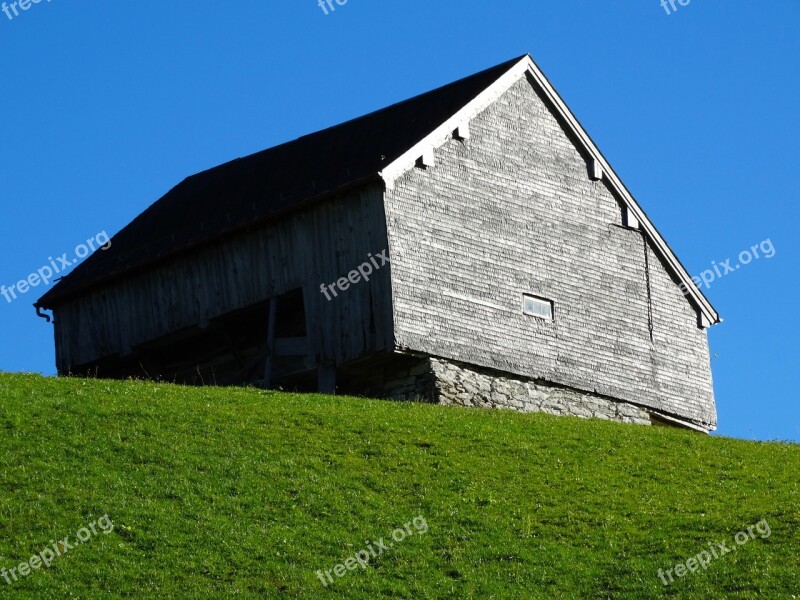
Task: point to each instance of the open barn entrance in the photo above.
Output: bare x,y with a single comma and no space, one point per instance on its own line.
244,347
289,361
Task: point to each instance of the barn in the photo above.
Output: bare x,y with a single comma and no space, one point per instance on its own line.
468,246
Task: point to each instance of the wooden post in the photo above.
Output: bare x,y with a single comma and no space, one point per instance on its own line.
234,350
273,313
326,381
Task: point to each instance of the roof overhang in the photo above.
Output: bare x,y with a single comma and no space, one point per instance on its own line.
55,297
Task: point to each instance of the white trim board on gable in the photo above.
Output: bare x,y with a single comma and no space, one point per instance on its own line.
526,67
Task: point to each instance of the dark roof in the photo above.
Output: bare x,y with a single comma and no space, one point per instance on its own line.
247,190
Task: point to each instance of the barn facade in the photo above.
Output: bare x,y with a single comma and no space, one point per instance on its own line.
468,246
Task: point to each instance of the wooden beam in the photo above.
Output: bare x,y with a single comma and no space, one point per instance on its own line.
293,346
327,379
427,159
273,313
595,170
630,218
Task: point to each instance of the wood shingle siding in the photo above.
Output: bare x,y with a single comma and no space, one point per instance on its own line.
512,211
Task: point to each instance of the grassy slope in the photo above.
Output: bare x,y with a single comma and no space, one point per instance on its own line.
240,493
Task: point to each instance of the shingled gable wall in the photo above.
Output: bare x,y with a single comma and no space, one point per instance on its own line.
513,210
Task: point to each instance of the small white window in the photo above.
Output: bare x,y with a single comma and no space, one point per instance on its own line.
537,307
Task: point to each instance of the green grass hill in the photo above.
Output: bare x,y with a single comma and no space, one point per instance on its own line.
240,493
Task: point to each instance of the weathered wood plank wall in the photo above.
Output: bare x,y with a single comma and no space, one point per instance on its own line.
303,250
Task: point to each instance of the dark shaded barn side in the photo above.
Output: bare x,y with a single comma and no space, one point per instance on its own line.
184,292
203,316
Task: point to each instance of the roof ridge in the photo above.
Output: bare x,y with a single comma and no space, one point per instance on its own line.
371,114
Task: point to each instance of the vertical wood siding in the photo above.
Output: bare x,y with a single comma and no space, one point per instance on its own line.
303,250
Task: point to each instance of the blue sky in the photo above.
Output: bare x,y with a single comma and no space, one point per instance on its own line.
106,106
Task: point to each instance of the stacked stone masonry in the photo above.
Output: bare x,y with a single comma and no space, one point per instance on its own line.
448,383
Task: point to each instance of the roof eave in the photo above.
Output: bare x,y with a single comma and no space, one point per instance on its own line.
53,299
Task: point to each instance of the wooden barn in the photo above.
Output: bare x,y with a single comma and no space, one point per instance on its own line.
467,246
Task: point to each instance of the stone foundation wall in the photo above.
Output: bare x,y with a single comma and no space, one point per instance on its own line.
416,383
448,383
403,379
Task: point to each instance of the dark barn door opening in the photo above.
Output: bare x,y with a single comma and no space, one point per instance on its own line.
288,358
229,350
232,349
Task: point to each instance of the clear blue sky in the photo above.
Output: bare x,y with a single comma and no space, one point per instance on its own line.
108,105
